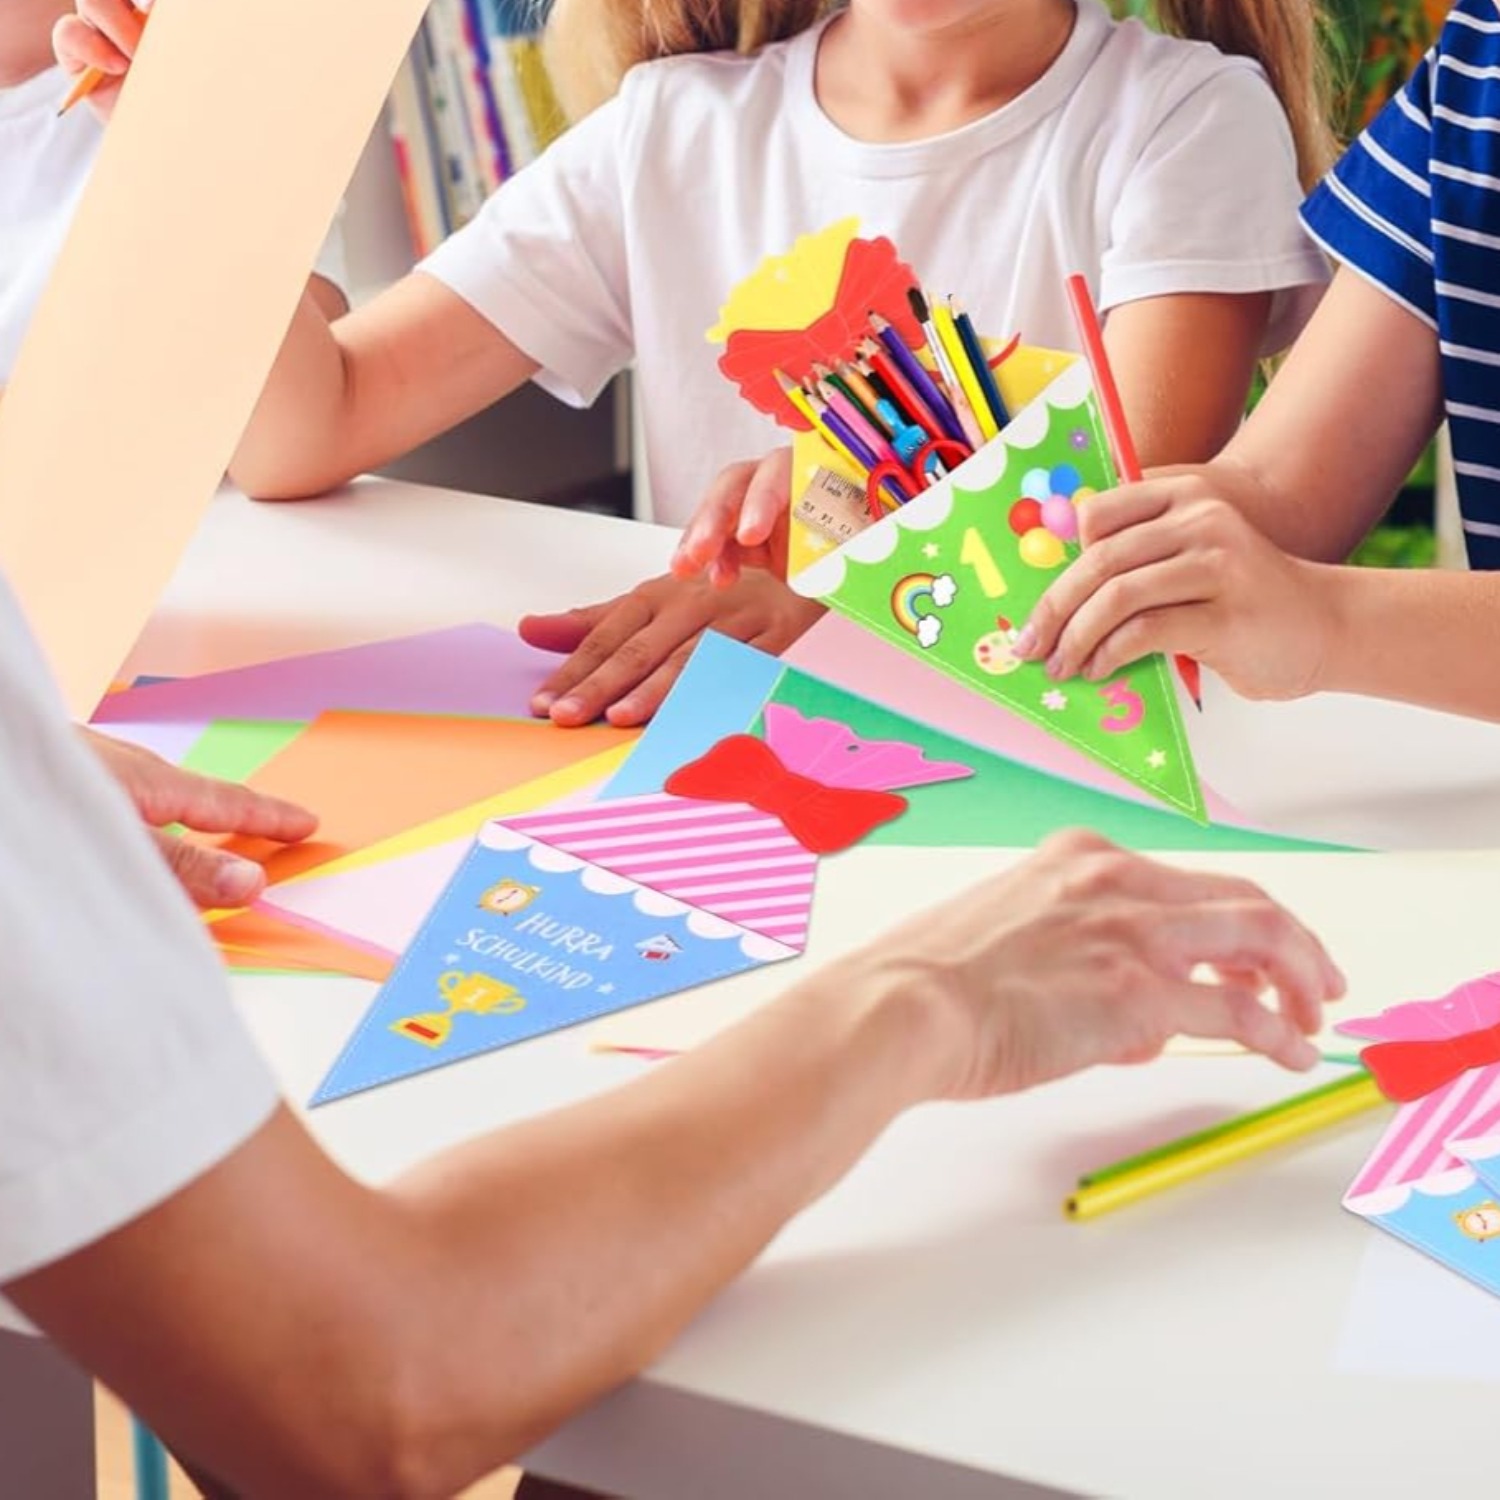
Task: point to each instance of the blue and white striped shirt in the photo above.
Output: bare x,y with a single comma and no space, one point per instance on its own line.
1415,207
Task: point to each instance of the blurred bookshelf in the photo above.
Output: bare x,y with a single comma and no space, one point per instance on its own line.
470,107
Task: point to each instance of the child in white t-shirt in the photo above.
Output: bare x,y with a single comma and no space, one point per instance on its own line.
1000,143
45,158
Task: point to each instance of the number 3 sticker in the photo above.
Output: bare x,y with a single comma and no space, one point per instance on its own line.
1126,708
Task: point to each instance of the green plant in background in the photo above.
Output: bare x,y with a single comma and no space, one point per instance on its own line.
1373,46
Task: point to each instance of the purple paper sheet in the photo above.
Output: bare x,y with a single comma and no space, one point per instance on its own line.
170,740
468,669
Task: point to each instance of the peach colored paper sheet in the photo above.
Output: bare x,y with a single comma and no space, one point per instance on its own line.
235,136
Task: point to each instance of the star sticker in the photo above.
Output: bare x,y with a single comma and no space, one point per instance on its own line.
1157,759
1055,700
931,550
606,989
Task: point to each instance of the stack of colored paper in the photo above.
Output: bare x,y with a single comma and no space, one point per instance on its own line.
398,743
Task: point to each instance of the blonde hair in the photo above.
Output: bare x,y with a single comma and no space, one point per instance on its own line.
1286,38
592,44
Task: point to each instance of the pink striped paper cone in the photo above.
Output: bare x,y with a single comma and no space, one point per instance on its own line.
724,858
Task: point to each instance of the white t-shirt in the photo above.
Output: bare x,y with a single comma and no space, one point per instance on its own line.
124,1071
44,164
1150,164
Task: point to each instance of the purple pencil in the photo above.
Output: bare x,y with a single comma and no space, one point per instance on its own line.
860,449
911,367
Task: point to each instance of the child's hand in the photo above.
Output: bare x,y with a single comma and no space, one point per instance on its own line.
741,524
1170,566
624,655
104,35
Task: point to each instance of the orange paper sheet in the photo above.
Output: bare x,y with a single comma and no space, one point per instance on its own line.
236,134
370,776
253,940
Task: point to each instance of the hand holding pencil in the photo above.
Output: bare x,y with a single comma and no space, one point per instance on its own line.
97,46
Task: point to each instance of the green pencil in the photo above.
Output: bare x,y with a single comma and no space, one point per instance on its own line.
1213,1132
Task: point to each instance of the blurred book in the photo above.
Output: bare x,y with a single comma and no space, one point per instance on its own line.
471,106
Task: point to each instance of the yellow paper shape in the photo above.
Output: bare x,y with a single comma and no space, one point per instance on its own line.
1026,372
791,290
236,134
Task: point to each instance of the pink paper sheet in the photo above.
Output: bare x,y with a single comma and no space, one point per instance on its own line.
846,654
469,669
378,906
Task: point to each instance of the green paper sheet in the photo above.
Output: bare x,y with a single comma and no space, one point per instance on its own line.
234,749
1005,803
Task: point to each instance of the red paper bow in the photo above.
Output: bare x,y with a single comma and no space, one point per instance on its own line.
874,279
823,819
1411,1070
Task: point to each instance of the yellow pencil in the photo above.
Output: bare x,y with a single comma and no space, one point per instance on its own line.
1260,1132
798,397
958,357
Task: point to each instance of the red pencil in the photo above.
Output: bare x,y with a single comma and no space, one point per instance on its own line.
1122,446
911,398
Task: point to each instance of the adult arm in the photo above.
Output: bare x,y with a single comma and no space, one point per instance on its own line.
298,1334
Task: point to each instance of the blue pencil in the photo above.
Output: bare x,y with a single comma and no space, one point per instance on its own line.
911,367
986,376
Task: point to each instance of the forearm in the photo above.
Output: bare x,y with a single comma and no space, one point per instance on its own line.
350,397
1340,425
1418,636
346,1341
293,444
672,1186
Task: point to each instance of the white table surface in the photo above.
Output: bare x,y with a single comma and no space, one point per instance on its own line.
933,1327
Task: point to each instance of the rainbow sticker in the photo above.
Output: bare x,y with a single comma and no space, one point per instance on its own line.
916,601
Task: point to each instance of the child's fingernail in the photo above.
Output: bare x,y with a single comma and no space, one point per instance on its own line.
1055,667
1026,641
566,708
542,702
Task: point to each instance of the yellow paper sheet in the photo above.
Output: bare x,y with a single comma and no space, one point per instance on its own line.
1401,926
236,134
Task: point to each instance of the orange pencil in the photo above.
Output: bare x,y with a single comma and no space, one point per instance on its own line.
92,78
1122,445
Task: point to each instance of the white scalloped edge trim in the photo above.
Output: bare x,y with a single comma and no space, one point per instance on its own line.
1475,1148
876,543
1386,1200
547,860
